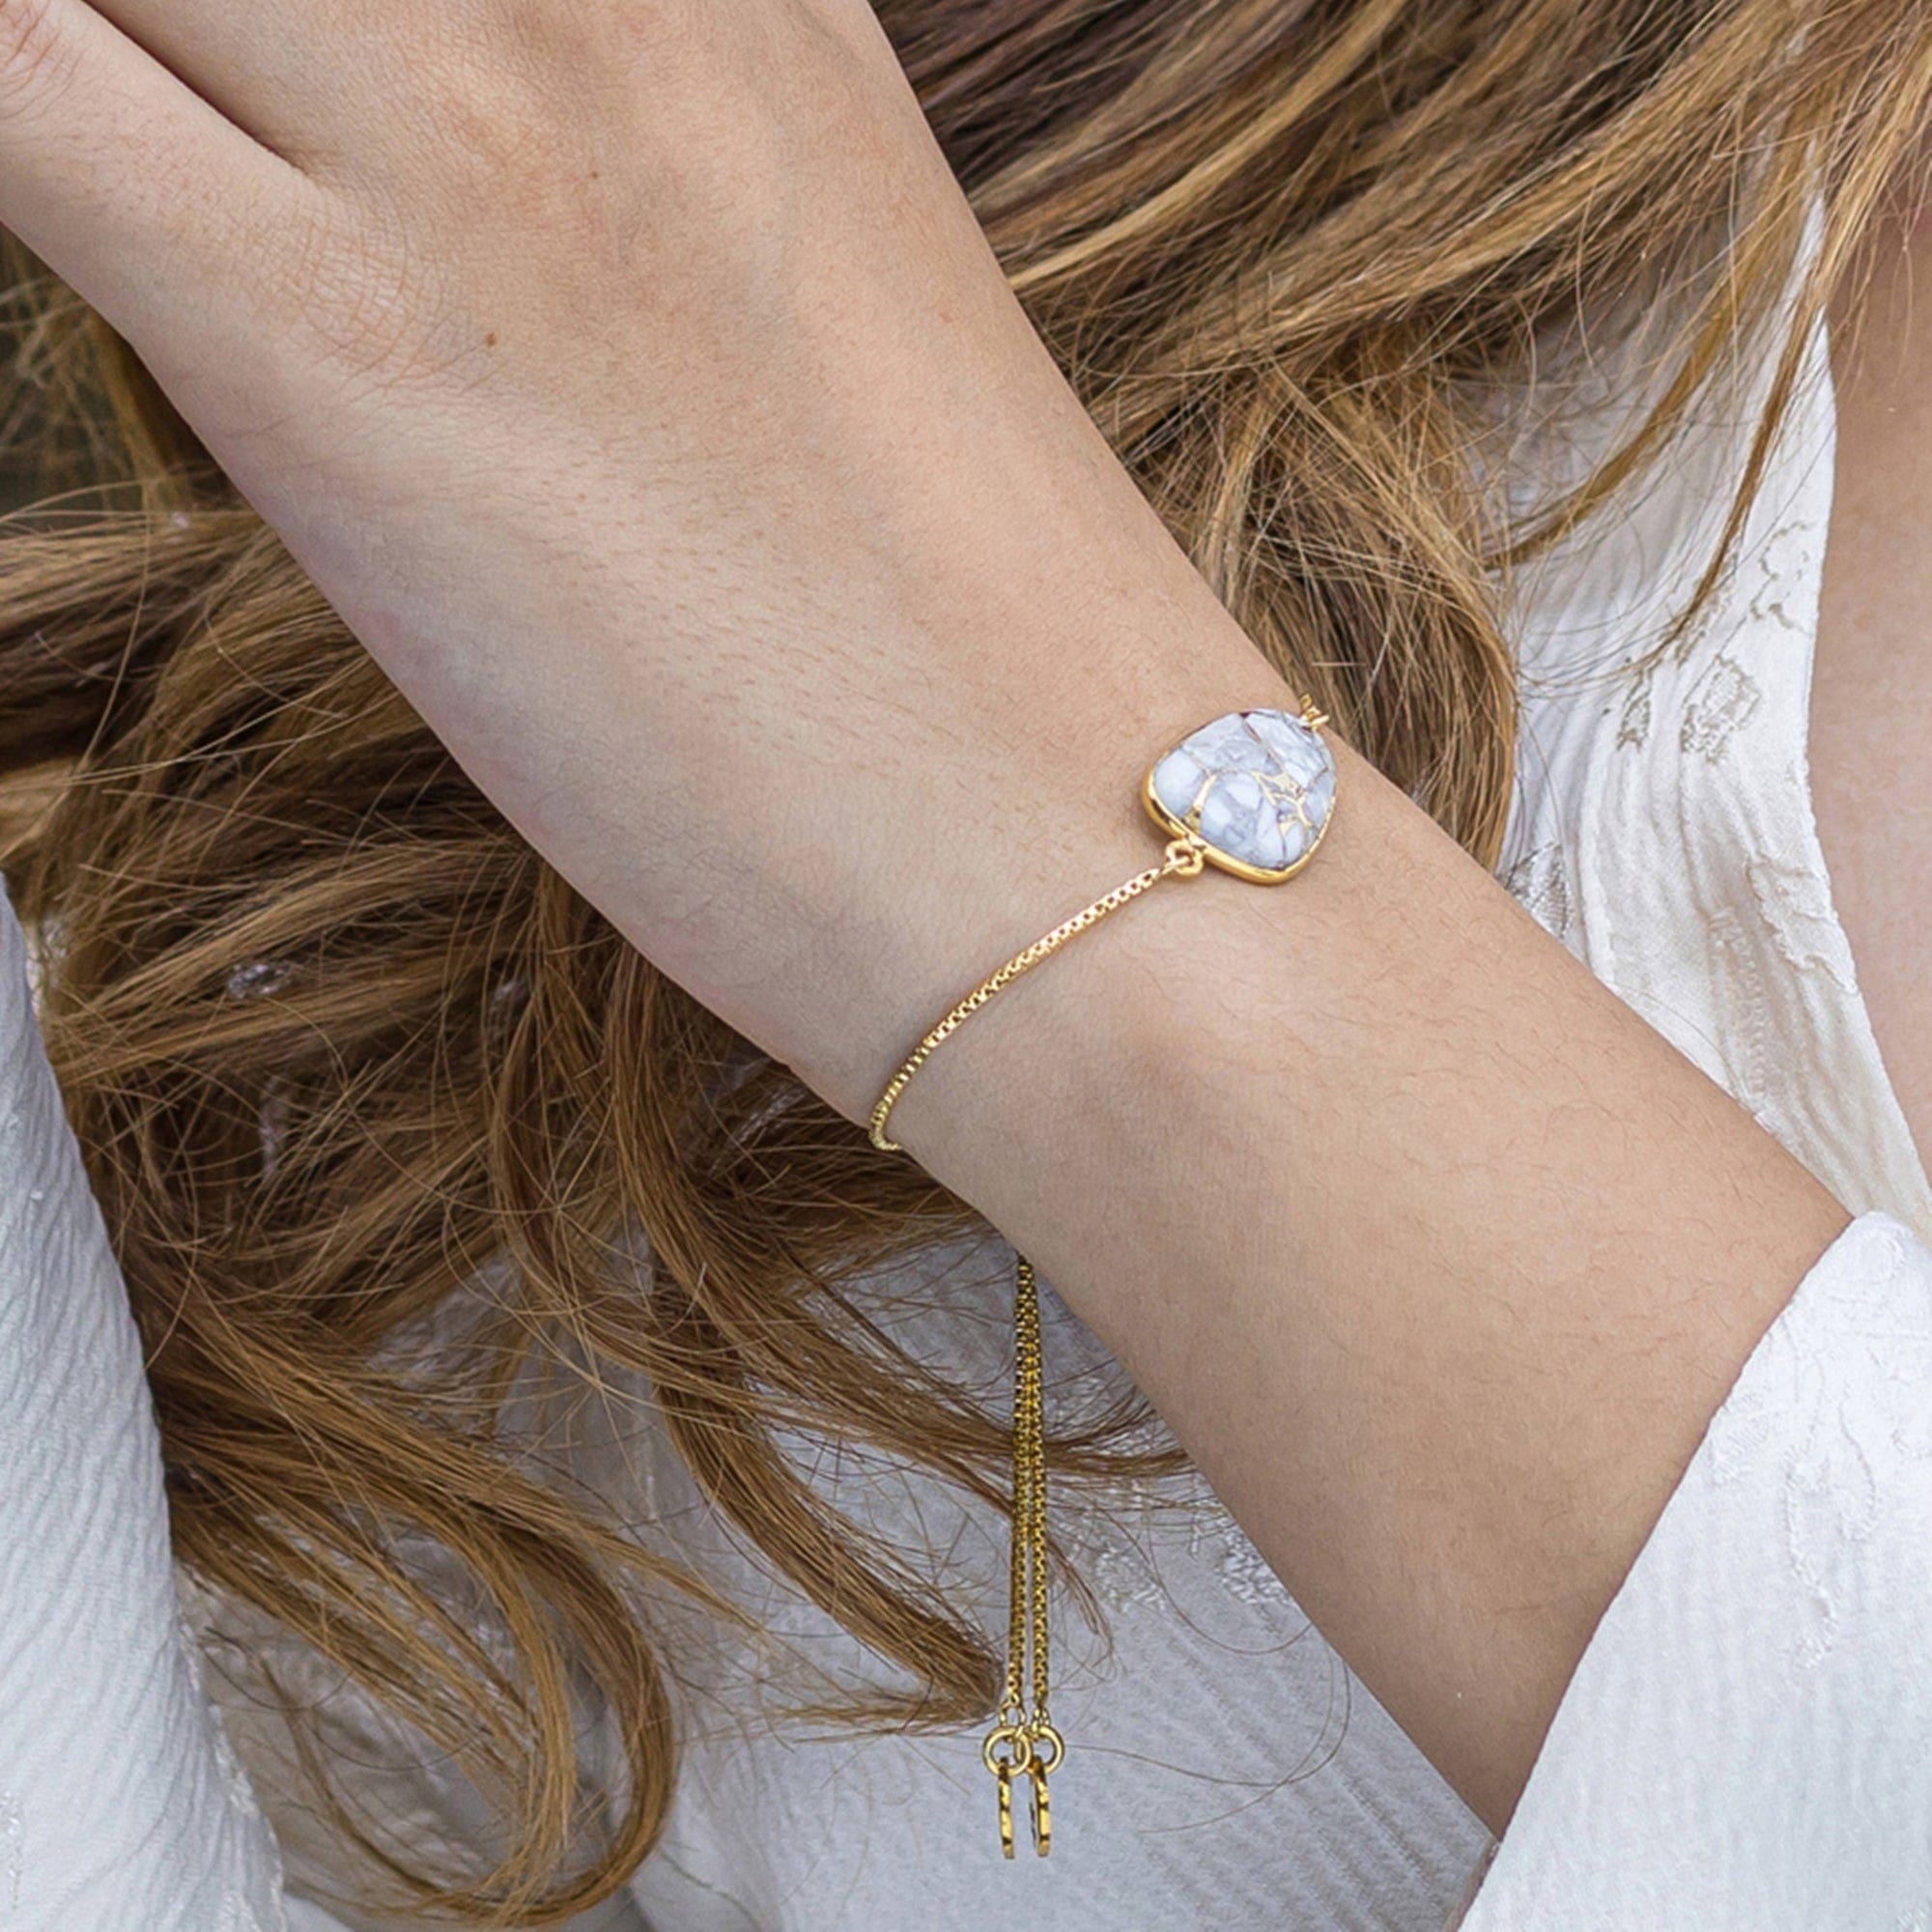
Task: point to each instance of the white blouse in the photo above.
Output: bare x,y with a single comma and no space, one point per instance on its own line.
1747,1742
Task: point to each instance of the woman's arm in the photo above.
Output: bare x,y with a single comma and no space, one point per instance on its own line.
1437,1256
636,383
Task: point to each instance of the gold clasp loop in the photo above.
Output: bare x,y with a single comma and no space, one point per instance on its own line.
1010,1737
1042,1732
1185,856
1029,1748
1046,1749
1042,1811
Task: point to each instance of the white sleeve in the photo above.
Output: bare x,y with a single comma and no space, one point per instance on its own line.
1747,1742
120,1804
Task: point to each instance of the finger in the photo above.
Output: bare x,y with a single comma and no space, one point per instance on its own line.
295,77
326,83
129,186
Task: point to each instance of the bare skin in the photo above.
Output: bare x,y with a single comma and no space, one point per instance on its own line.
1872,681
636,383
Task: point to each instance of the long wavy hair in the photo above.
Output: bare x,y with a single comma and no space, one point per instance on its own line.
336,1043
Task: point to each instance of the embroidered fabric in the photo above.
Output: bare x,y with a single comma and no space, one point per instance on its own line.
1663,828
1745,1741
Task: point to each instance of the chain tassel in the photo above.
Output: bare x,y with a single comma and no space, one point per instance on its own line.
1023,1744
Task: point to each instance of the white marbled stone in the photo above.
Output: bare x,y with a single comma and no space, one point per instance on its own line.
1257,786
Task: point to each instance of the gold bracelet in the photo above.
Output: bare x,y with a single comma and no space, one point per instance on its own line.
1251,793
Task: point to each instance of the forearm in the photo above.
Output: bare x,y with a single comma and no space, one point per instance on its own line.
1435,1257
675,443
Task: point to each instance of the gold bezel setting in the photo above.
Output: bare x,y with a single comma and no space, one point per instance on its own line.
1189,827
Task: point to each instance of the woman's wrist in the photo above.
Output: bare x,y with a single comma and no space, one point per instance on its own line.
1435,1257
1138,1010
1023,811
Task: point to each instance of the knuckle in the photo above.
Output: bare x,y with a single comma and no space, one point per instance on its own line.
491,143
619,138
36,51
485,119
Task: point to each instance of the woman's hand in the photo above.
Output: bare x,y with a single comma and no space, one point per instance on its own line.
634,377
636,383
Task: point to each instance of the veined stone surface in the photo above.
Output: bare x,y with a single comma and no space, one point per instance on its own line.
1257,786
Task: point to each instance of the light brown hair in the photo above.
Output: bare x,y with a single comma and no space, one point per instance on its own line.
336,1043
